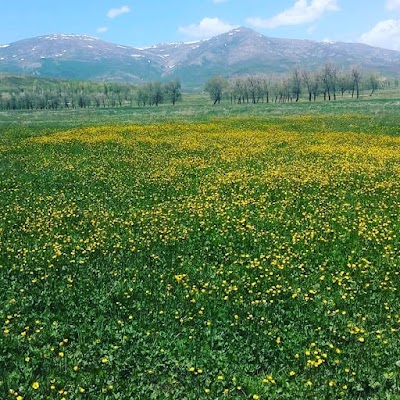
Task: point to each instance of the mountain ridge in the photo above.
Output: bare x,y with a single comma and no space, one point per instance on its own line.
237,52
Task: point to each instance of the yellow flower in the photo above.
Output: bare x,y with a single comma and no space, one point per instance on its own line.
292,373
35,385
180,277
256,396
104,360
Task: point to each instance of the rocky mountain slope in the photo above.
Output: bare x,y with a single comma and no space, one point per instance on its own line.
240,51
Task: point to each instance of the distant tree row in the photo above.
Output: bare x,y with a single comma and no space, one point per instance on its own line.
328,82
53,95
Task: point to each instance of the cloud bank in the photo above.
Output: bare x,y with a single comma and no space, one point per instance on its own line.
384,34
393,5
102,29
302,12
116,12
206,28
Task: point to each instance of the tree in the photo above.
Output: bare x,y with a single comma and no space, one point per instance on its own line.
329,80
252,85
215,86
156,93
142,96
296,84
373,83
356,79
344,82
173,91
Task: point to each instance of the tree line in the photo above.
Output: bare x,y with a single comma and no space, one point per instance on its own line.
53,95
329,82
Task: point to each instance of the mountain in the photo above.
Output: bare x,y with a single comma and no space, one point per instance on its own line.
240,51
78,57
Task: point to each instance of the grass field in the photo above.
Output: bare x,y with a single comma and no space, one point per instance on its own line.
198,252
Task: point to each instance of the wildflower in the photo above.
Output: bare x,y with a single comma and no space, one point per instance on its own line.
35,385
180,277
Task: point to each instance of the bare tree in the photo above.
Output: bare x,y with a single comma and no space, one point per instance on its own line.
356,79
326,81
307,79
373,83
344,82
296,83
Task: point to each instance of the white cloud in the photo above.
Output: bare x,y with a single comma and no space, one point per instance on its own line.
300,13
102,29
115,12
208,27
392,5
384,34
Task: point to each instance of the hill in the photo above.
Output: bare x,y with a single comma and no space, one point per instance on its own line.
242,50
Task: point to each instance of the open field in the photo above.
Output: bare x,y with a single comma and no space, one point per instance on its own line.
198,252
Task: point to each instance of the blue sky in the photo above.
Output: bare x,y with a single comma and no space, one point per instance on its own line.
140,23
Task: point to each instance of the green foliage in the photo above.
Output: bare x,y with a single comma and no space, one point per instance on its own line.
215,87
49,94
232,256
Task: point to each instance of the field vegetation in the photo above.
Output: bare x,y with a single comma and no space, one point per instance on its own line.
198,252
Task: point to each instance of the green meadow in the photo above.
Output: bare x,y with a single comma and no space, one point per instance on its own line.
200,252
